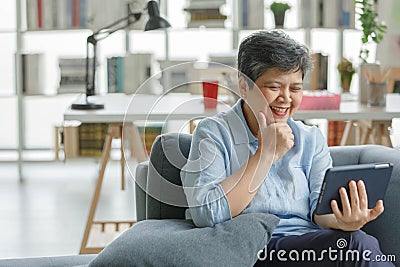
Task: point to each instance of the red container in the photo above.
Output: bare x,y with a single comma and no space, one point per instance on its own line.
318,100
210,93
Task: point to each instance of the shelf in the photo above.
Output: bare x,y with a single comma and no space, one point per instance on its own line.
8,96
7,31
52,95
55,30
58,42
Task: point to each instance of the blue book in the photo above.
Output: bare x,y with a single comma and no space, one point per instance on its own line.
120,74
70,13
83,13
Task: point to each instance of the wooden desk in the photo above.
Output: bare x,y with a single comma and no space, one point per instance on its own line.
121,112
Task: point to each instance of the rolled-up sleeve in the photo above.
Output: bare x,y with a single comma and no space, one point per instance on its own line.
201,176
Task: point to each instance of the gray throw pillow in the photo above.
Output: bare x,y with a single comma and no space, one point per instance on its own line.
174,242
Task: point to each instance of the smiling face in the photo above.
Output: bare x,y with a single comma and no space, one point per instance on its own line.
274,91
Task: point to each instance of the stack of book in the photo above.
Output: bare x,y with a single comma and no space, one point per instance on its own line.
91,138
73,75
206,13
70,14
149,132
60,14
115,74
335,132
327,14
129,73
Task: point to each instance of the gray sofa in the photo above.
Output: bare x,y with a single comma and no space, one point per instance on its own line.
169,154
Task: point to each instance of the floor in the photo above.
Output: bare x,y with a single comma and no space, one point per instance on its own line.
46,214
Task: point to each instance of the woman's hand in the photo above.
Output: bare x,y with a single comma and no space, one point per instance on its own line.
273,138
355,213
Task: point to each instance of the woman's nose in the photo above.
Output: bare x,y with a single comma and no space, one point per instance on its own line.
285,96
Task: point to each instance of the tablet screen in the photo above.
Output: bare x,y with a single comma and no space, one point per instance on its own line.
376,178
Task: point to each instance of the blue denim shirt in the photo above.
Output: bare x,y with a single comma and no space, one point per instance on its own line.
223,143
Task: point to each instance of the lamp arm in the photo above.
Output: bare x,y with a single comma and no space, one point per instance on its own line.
94,38
106,30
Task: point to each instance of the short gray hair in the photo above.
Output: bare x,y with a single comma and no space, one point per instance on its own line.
265,50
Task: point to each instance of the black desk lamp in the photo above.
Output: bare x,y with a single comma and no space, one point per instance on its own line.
154,22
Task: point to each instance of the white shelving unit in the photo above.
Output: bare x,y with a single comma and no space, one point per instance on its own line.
177,42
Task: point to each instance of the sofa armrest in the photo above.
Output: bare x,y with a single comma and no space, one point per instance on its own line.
140,190
385,228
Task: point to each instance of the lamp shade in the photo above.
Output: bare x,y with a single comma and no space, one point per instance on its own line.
155,21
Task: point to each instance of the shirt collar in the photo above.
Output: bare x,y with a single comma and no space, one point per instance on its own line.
237,123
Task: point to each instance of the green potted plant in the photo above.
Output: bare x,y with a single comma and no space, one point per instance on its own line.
372,29
279,9
346,71
372,33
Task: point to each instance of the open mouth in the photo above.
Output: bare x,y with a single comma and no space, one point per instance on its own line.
281,111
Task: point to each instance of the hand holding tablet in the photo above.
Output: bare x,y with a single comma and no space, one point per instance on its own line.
375,176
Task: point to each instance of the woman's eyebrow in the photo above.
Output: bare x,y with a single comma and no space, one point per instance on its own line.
278,82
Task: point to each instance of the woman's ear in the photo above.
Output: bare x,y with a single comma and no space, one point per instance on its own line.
243,87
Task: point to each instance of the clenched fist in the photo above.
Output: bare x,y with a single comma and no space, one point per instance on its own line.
273,138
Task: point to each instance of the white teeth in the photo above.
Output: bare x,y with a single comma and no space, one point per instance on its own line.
280,110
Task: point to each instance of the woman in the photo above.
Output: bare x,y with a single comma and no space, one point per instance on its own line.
256,158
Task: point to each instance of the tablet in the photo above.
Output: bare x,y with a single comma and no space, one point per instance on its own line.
376,178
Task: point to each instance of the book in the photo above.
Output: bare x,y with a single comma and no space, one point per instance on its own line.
309,12
205,13
33,74
32,14
91,138
327,14
346,14
83,8
40,13
61,15
330,11
335,132
251,14
73,75
137,68
149,132
48,16
76,13
317,78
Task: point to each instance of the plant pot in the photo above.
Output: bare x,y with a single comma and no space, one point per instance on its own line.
279,18
345,81
362,87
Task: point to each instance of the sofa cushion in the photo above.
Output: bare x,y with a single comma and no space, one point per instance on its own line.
164,192
59,261
176,242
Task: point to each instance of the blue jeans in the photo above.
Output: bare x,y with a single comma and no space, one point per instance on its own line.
324,248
